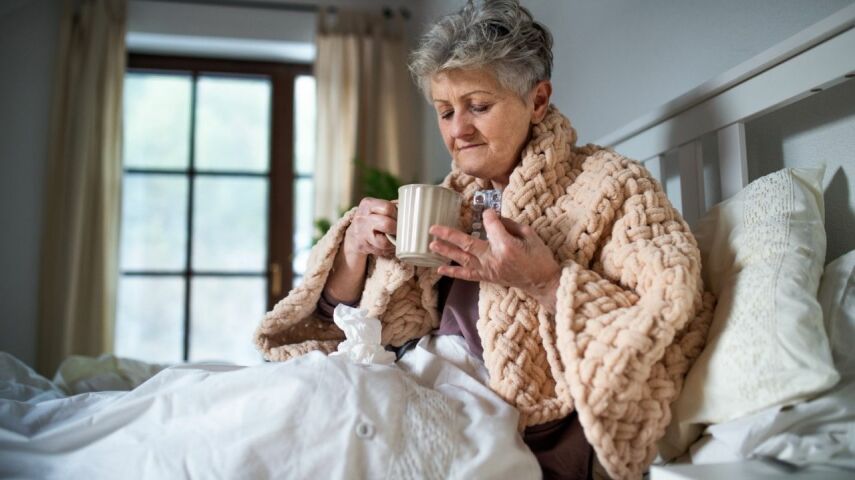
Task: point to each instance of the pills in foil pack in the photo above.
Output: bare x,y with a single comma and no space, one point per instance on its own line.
481,200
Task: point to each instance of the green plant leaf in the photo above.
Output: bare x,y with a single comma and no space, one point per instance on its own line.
322,226
377,183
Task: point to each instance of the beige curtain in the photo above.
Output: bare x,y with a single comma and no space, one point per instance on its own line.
365,106
79,261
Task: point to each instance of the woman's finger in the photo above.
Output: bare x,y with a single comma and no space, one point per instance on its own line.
383,224
516,229
497,228
454,253
384,207
365,205
368,206
380,243
461,240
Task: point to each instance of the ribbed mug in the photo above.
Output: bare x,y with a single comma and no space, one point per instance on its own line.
419,207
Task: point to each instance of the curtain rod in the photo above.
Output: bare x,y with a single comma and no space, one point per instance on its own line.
262,5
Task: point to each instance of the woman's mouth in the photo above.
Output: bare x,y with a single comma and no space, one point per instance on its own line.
467,147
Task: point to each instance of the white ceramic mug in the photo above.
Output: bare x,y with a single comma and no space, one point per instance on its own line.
419,207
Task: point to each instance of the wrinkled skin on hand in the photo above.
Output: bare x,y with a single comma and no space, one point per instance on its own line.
366,233
513,256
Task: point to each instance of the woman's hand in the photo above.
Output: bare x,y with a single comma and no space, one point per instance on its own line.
514,256
365,236
366,233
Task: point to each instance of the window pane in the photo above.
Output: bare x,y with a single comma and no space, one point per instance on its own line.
156,121
301,260
233,124
304,228
149,319
230,224
154,222
224,314
304,124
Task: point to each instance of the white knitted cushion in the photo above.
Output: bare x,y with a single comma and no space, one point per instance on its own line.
763,252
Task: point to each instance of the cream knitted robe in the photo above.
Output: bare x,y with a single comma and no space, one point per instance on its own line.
630,317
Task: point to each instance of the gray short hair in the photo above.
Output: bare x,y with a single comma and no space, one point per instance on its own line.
497,34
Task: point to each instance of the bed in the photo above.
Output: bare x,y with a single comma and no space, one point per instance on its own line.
757,406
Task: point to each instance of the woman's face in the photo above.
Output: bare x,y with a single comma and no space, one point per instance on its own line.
484,125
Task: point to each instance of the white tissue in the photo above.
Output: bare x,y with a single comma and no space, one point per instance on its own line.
363,337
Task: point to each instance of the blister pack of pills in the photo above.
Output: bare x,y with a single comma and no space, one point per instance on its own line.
482,200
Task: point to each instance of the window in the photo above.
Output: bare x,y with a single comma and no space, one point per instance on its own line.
304,169
217,198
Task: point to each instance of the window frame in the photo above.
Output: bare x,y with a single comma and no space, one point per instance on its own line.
281,177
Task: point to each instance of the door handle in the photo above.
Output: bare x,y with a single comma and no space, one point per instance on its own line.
275,279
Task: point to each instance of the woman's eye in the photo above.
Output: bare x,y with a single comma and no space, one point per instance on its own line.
479,108
446,114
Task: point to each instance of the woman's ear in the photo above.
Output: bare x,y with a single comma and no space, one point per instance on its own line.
540,98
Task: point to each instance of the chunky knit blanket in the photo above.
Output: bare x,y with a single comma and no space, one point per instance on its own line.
631,314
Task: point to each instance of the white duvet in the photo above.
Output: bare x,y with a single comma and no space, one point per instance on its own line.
429,416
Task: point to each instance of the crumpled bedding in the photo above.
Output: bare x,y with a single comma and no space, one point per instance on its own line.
816,432
429,416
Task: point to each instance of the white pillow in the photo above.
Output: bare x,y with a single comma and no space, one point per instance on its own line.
837,298
762,252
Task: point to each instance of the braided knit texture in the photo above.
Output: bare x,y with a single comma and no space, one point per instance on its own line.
631,315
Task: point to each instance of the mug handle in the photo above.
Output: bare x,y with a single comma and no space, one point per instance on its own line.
389,235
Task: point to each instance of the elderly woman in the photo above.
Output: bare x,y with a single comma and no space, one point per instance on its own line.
584,300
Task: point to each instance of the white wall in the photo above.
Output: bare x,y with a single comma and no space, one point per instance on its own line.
616,59
258,33
28,37
220,21
220,31
818,130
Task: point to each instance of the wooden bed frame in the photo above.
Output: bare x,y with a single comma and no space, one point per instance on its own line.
695,144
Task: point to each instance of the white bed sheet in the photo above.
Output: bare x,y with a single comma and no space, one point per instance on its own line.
817,432
812,440
311,417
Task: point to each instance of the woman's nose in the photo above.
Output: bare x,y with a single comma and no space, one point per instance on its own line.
461,126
